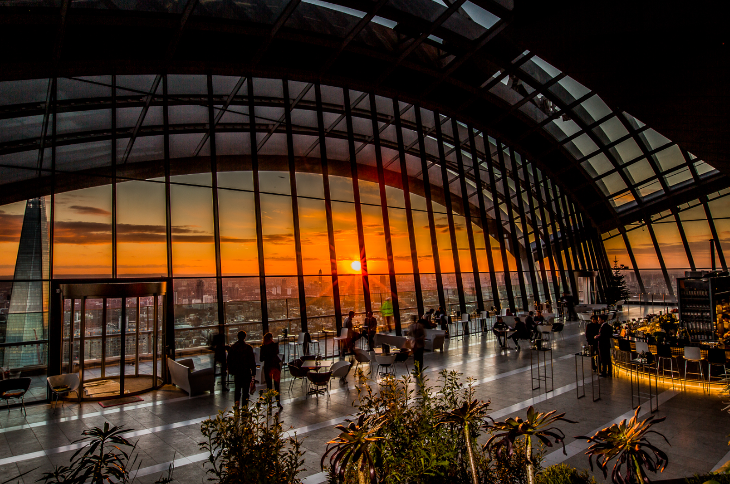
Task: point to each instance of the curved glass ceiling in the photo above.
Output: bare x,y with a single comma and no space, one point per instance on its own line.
629,163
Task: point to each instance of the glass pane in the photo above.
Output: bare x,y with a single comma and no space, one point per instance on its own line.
83,233
193,248
141,229
313,230
643,248
278,233
237,220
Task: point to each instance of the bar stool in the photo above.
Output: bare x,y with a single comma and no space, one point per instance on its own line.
694,355
664,353
341,340
716,357
295,345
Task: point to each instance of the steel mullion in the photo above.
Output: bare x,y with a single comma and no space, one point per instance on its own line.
625,236
358,207
564,239
449,213
216,212
429,208
554,242
483,216
328,209
511,222
578,256
523,222
467,217
498,218
409,212
713,231
142,116
536,231
683,236
658,250
257,206
114,174
166,154
386,218
295,208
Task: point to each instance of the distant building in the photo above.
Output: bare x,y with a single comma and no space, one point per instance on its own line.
28,312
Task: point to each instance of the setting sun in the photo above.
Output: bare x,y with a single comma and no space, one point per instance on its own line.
355,265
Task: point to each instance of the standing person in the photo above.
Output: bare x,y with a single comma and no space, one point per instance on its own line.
605,333
371,326
592,329
219,357
431,321
242,365
418,332
272,365
386,309
443,320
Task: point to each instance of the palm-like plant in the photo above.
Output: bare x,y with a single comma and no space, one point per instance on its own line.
537,425
469,416
627,442
352,446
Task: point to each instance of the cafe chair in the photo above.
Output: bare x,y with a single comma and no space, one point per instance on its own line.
340,370
320,382
362,356
387,363
312,344
14,388
692,354
62,385
297,372
716,357
294,346
558,329
402,357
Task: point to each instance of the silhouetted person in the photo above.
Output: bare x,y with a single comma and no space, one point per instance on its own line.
592,330
272,365
242,365
418,332
371,327
605,333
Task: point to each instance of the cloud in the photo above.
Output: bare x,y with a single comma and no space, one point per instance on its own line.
84,210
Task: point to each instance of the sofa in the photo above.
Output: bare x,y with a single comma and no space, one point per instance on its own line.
389,339
435,339
184,375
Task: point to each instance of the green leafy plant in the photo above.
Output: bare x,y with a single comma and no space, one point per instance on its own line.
104,459
467,417
627,443
537,425
353,446
564,474
248,445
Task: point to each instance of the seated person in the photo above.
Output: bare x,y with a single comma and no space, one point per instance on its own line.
531,325
521,332
500,329
539,318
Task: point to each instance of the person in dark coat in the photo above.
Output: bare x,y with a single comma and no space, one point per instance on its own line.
418,332
605,333
242,365
371,327
592,330
500,331
531,325
272,365
219,357
521,332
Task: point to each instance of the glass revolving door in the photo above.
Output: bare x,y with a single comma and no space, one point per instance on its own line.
113,337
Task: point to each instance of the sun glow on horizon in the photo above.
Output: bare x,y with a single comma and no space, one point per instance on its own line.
355,265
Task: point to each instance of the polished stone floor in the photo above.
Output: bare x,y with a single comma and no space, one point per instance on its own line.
167,423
